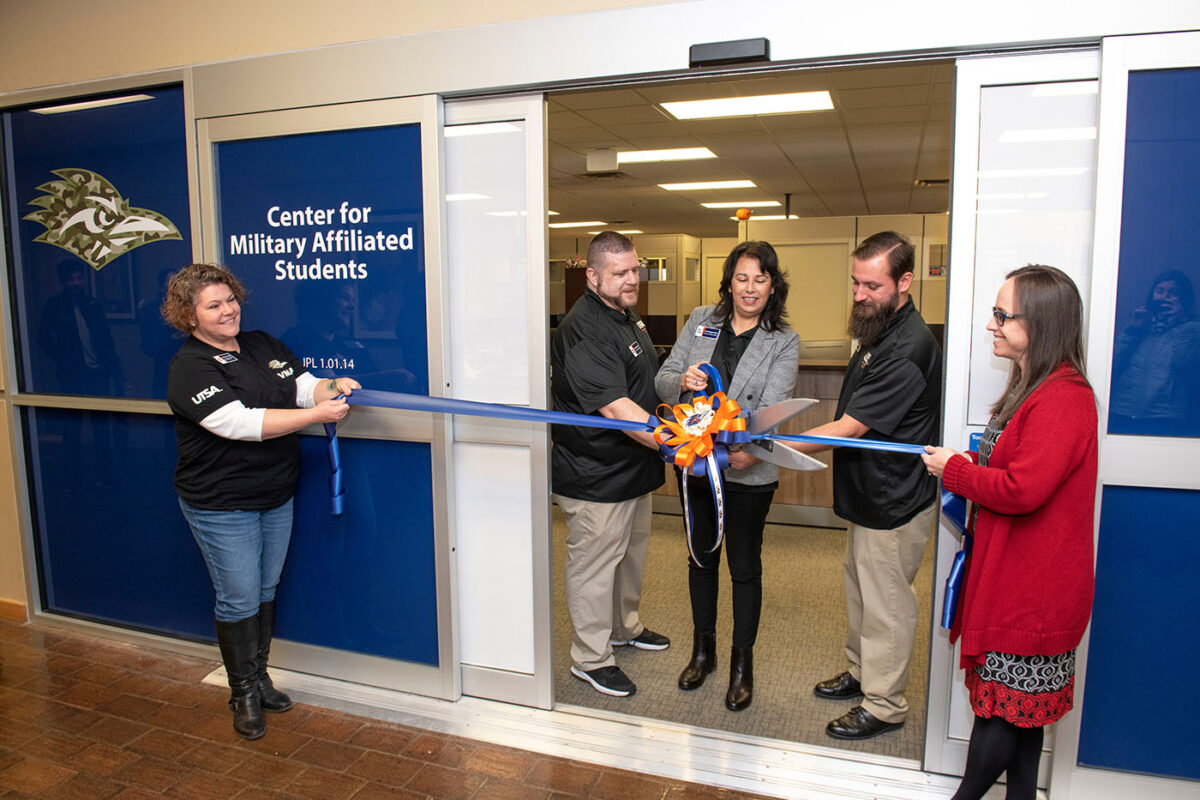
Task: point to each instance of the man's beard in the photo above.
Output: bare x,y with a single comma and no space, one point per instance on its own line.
868,323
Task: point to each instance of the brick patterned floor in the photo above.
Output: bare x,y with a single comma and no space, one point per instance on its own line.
84,717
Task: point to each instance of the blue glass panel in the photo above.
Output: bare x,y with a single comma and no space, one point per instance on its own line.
111,542
104,184
326,230
364,581
1144,634
1156,352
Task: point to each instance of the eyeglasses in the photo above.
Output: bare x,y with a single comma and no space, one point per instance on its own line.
1002,318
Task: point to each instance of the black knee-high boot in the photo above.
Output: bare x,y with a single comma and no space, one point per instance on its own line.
239,650
272,699
741,678
704,661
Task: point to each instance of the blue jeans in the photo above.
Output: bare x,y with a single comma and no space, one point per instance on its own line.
244,551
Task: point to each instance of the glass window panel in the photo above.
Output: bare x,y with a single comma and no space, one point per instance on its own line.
1035,188
326,230
1155,387
487,234
1145,589
98,205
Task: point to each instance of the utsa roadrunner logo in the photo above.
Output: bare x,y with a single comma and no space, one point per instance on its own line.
85,215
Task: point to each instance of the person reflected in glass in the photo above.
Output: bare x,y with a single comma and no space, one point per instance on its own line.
239,399
74,332
745,338
156,338
1029,580
1156,363
323,335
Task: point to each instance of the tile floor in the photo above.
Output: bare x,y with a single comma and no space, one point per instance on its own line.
85,717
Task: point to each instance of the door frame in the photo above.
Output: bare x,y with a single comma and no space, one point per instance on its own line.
1148,461
444,679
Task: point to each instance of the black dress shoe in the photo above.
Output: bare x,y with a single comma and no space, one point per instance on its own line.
842,687
858,723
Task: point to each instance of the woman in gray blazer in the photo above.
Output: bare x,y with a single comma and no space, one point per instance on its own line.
756,354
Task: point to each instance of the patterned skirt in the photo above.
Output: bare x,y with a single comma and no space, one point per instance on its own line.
1027,691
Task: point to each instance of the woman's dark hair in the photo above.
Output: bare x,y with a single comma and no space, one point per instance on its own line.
179,304
1187,295
775,310
1052,313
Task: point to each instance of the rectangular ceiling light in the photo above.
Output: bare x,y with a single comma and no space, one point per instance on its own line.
768,218
83,106
746,204
625,233
692,187
676,154
757,105
593,223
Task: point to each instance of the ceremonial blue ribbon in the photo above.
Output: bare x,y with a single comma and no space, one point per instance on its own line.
337,494
713,465
954,511
954,582
449,405
847,441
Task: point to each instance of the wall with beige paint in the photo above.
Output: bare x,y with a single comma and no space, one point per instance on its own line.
51,42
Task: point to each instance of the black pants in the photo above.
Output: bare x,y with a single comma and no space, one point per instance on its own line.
745,515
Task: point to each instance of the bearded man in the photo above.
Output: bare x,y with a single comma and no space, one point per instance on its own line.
603,363
891,392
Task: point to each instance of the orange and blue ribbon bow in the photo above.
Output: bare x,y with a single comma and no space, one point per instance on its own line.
696,437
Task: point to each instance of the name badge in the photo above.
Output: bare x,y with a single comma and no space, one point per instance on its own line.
225,358
636,349
705,332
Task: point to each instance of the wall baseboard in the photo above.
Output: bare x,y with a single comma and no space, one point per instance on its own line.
13,610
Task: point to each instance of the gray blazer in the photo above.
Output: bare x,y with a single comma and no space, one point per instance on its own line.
765,374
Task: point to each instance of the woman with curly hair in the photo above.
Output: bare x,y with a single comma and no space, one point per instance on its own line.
239,398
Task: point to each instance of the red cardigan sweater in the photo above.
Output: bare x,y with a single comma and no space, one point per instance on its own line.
1030,575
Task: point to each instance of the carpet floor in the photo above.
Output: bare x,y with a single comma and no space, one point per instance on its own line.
801,640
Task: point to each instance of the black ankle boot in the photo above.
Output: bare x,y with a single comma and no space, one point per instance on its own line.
239,648
272,699
741,678
704,661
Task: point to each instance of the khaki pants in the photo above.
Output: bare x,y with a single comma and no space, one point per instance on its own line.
606,554
879,570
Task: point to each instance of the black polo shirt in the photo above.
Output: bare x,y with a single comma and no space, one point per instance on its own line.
895,389
599,355
224,474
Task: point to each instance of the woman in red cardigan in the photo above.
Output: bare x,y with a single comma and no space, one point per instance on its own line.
1028,591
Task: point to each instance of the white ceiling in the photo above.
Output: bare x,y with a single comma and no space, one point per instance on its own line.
890,127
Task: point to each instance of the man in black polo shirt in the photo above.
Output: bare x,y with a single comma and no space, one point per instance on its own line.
603,363
892,392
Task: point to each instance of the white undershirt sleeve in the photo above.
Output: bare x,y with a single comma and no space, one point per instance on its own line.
306,382
235,421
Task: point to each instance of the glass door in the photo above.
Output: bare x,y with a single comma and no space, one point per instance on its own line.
1022,193
333,218
1143,358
